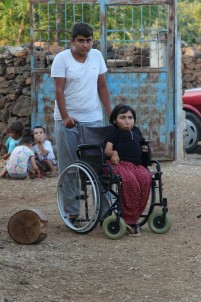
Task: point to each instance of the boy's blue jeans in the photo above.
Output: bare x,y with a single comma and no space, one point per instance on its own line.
67,140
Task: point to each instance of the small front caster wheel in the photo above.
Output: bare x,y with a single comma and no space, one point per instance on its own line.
113,229
158,224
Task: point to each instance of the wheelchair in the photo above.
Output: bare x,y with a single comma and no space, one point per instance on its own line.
89,187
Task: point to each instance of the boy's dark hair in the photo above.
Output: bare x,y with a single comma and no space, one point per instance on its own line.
82,29
119,109
27,136
16,128
39,127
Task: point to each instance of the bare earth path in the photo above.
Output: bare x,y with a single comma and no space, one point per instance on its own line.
71,267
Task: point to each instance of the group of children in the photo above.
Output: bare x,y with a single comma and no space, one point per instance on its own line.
27,152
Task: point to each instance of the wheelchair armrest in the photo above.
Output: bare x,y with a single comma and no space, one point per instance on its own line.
109,175
146,154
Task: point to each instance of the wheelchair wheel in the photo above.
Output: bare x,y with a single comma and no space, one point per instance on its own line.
112,229
158,224
78,192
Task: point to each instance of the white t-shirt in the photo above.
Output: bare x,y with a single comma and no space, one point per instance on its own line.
81,95
47,146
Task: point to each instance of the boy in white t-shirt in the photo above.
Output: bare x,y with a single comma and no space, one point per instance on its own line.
80,85
44,151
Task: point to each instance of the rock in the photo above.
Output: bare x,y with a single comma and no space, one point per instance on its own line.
22,106
14,49
2,101
21,54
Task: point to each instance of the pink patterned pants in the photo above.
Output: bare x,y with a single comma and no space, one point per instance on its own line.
136,184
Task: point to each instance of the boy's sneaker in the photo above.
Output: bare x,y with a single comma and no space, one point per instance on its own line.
136,230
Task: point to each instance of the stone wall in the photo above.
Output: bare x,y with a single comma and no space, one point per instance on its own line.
191,67
15,81
15,87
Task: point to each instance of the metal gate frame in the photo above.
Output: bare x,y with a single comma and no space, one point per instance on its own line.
164,144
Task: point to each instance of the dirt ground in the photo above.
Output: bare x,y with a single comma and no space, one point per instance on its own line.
78,268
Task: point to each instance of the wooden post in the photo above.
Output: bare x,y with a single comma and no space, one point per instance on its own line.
28,226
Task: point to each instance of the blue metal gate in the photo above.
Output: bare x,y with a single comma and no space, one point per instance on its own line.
137,41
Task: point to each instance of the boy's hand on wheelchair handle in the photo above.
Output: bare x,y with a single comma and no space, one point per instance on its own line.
69,122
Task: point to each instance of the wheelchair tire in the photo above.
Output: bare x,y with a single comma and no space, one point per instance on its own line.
157,224
78,188
112,229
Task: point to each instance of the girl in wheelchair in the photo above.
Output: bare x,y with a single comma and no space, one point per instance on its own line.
124,149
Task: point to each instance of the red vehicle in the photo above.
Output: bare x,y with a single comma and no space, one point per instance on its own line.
192,107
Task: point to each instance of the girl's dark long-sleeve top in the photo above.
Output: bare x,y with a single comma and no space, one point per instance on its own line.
128,144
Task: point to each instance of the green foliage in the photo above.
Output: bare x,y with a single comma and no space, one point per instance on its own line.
189,21
14,22
7,3
134,23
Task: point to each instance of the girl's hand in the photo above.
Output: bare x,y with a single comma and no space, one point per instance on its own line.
145,148
115,158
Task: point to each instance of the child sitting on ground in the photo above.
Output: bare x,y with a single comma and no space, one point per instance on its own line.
15,133
21,159
43,150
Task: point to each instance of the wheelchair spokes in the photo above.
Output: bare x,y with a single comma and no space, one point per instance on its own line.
78,197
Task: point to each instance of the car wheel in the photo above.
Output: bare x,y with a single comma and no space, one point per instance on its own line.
193,132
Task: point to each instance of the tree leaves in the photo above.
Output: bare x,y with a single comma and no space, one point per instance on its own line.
15,21
7,3
189,21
